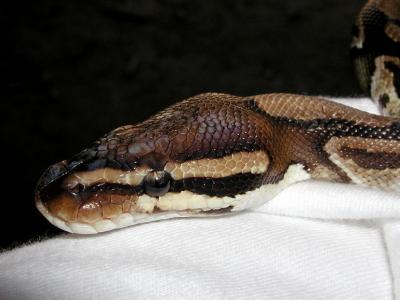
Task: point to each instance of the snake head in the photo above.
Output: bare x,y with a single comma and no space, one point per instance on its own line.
193,159
100,189
89,194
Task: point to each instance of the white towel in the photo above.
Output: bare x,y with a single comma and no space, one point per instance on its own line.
315,240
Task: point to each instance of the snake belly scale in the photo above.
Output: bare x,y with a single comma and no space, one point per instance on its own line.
214,154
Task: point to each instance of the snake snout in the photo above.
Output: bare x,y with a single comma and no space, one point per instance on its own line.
51,195
51,174
84,195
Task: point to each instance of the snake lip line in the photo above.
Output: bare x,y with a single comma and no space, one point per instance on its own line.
124,219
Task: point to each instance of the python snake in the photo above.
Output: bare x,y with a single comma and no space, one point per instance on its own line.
214,154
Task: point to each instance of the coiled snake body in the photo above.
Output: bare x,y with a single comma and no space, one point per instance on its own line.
213,154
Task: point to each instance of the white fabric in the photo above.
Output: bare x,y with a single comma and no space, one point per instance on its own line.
315,240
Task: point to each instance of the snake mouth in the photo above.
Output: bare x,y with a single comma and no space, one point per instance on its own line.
68,214
81,225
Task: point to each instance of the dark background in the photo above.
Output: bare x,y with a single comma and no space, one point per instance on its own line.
76,69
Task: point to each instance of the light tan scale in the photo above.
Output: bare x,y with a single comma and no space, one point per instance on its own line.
242,162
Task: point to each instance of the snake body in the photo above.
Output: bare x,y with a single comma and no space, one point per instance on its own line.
375,51
214,154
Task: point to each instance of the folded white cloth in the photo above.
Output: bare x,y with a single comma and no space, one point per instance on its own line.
315,240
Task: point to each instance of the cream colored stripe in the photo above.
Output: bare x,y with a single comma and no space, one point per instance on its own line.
241,162
107,175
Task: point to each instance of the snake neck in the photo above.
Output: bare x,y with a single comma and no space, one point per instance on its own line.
331,141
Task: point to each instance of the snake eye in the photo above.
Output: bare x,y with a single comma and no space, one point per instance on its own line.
157,183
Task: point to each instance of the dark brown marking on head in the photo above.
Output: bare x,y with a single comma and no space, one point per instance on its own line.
371,160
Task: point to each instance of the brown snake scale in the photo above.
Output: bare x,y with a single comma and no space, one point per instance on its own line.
212,154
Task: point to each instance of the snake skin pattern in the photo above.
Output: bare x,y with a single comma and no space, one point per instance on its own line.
214,154
375,51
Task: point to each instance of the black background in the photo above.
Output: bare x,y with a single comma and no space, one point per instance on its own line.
76,69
